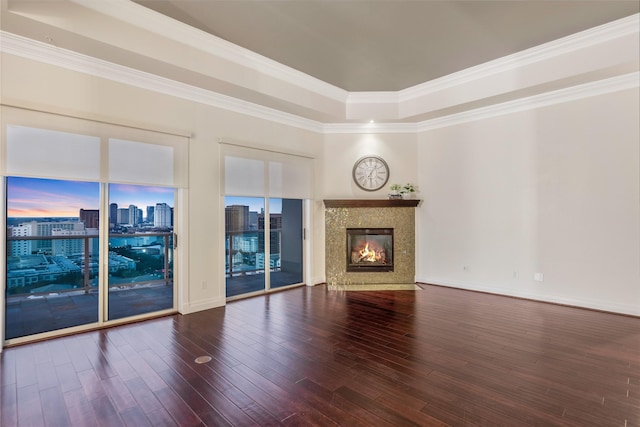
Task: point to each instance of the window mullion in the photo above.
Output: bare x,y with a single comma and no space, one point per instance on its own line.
103,272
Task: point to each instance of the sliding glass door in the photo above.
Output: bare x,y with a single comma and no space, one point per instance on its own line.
263,244
53,249
140,250
286,237
244,245
264,219
53,254
90,223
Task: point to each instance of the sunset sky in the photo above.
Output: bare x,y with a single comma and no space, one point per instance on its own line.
33,197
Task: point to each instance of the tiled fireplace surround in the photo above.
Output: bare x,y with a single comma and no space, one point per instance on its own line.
360,213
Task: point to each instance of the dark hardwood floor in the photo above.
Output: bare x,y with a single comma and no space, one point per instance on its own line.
309,356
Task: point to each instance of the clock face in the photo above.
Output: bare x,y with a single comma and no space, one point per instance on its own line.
370,173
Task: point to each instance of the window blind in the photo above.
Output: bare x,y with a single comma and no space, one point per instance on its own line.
46,153
244,177
140,163
264,173
291,177
46,145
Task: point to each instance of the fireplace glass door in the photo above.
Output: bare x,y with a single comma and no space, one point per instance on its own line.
369,249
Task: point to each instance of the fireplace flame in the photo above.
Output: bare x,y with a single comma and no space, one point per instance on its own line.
367,254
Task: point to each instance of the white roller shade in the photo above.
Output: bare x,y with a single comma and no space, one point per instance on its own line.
46,145
244,177
264,173
139,163
46,153
291,177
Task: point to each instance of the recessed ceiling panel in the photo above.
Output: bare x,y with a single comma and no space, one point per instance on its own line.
389,45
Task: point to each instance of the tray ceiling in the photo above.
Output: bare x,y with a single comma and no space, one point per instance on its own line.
389,45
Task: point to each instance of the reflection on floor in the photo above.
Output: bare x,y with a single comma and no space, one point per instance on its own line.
375,287
244,284
33,315
125,303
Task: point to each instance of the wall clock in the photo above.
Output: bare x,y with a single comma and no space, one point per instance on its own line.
370,173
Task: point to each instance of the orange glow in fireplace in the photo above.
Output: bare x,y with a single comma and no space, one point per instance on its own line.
369,249
371,252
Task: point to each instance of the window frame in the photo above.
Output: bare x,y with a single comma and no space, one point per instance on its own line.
179,144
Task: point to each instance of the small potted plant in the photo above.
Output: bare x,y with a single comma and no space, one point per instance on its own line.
407,190
396,190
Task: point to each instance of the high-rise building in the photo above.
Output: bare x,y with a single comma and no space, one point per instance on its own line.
236,218
35,228
246,244
149,214
20,247
90,217
133,215
113,214
253,220
45,228
275,224
162,216
71,246
275,221
123,216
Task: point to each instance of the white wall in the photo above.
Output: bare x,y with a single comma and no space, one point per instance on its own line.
341,151
553,190
35,85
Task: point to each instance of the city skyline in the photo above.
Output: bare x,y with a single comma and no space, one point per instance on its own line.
37,198
42,198
255,203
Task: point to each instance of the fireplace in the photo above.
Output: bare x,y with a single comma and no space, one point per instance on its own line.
349,214
369,249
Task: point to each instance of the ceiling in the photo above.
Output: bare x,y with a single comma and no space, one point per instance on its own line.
389,45
336,64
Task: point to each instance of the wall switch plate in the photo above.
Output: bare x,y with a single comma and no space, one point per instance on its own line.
538,277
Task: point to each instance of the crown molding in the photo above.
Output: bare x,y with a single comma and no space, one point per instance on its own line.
600,34
601,87
166,27
510,73
364,128
42,52
150,20
373,98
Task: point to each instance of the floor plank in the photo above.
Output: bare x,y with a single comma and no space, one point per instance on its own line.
313,357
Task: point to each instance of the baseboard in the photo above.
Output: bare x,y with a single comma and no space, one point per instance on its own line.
626,309
317,280
202,305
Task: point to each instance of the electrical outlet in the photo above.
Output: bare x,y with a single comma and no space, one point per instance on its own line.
465,268
516,275
204,284
538,277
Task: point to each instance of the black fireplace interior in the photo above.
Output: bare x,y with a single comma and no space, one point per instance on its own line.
369,249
